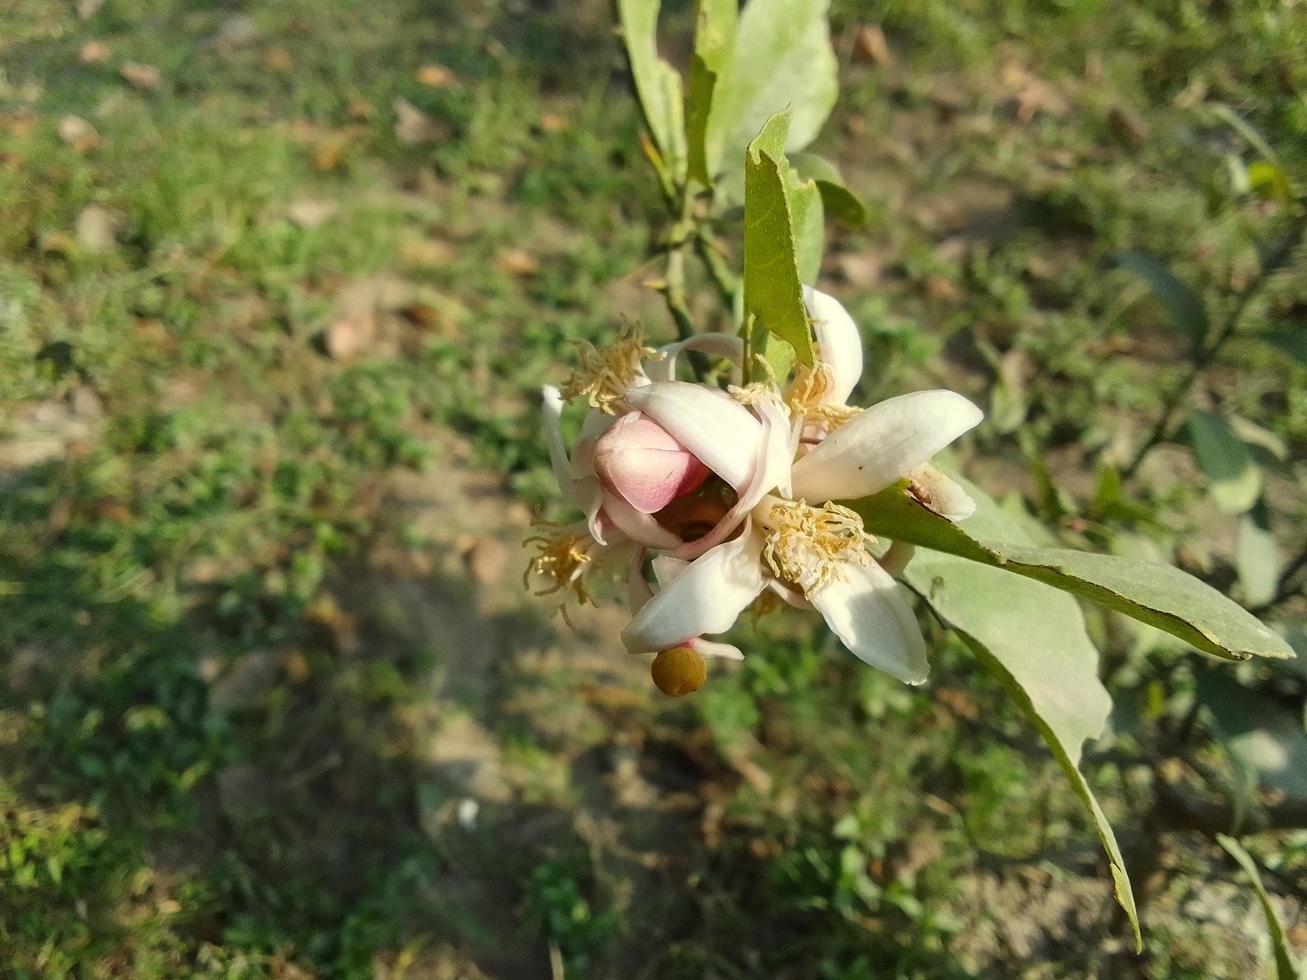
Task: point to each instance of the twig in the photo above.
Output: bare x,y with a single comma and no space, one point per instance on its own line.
673,288
709,252
1208,353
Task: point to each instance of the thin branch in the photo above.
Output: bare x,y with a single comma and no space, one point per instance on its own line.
710,253
1176,403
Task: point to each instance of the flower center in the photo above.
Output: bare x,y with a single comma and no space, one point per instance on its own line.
607,374
807,546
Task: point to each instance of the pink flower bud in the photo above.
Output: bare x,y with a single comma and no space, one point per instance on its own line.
638,461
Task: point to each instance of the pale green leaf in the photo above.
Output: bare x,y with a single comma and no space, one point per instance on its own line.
1153,593
781,57
809,219
838,201
657,83
1233,478
1182,305
1285,966
713,33
773,294
1257,558
1032,639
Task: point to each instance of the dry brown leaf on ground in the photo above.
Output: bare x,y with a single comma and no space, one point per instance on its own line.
427,253
485,559
311,212
278,60
869,45
94,53
76,132
436,76
413,126
234,32
518,262
97,228
147,78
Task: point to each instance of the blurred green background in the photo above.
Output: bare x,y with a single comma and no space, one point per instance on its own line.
278,282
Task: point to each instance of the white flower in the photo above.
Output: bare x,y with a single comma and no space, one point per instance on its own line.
796,538
740,494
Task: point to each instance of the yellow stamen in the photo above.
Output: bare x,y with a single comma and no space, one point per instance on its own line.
808,546
562,561
606,375
804,399
752,394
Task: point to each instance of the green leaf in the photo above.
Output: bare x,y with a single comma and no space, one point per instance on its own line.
1156,594
1032,639
1269,181
1285,967
839,202
809,216
1182,305
1257,558
1261,735
713,33
782,56
773,294
656,82
1233,479
1292,342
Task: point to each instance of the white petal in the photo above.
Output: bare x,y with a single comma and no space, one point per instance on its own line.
791,597
666,568
717,344
869,614
883,444
553,408
711,424
594,425
941,493
838,341
714,648
637,589
704,598
640,528
771,471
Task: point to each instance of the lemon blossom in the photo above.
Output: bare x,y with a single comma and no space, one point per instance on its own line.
796,539
736,494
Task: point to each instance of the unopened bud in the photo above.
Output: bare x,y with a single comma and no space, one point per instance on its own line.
637,460
679,671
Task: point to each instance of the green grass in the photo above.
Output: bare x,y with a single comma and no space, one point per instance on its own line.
225,696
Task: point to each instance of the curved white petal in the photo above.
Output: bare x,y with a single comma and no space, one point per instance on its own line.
771,471
711,424
552,401
637,589
839,344
791,597
941,493
883,444
869,614
666,568
715,648
717,344
640,528
594,425
706,597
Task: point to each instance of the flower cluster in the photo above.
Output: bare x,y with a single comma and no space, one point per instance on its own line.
711,499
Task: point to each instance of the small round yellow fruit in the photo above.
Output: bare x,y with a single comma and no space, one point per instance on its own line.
679,671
